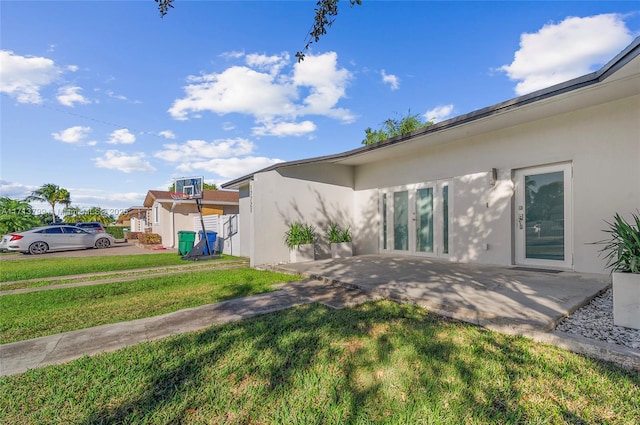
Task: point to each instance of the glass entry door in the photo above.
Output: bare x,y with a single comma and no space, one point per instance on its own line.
415,219
543,216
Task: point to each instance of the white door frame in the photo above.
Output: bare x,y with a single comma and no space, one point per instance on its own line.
438,219
520,222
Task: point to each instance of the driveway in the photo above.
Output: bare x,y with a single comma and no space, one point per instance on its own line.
119,248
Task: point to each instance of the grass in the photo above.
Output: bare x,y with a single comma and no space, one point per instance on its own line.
34,314
185,267
21,269
378,363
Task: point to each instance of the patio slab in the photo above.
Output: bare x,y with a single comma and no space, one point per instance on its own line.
506,299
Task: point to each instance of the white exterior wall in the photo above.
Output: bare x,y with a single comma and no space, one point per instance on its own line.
245,222
599,138
182,218
602,143
314,194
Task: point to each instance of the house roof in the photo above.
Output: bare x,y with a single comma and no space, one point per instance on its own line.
560,98
209,197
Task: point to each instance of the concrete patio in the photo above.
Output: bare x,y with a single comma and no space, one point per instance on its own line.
506,299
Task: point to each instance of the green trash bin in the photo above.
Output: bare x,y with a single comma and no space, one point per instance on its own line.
186,240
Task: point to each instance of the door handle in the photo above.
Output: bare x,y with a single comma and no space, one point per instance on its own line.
520,221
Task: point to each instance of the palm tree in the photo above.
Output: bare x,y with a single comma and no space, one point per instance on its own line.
97,214
51,194
72,214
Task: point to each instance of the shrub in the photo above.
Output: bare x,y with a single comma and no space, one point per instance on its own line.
149,238
622,249
336,234
115,231
299,234
132,235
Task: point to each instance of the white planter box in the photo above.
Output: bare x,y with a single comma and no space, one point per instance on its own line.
626,300
341,250
302,253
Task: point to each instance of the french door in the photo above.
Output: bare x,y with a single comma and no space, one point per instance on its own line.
415,219
543,216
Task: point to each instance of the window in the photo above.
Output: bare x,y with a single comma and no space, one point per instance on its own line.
53,230
156,214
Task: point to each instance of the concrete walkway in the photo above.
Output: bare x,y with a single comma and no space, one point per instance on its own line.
508,300
18,357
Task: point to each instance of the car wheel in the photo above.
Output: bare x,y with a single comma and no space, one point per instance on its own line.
103,243
38,248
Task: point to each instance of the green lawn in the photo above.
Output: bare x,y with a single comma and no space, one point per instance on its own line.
20,269
34,314
378,363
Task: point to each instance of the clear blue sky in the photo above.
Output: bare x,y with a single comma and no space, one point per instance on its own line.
108,100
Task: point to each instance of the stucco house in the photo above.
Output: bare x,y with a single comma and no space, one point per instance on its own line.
524,182
137,219
168,216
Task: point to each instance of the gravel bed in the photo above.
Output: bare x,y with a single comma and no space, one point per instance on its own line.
595,321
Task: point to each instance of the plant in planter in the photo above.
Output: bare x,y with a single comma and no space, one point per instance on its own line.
622,252
300,239
340,241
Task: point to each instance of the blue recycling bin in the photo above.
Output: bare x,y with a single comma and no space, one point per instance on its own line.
211,237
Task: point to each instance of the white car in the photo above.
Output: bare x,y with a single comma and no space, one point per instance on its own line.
54,238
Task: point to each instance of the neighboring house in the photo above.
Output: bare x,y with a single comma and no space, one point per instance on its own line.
525,182
169,216
138,219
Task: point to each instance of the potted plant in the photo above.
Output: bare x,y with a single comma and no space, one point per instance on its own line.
340,241
622,252
300,239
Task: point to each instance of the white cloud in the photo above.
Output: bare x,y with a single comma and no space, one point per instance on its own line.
569,49
326,83
111,94
229,168
121,161
272,64
15,190
392,80
73,68
237,89
22,77
117,96
232,55
89,197
261,88
69,95
439,113
72,134
196,150
285,129
122,136
227,158
167,134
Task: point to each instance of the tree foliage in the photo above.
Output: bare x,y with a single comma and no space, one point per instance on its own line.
395,127
16,216
325,14
77,215
51,194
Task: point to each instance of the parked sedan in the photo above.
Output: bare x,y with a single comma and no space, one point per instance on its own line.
55,238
